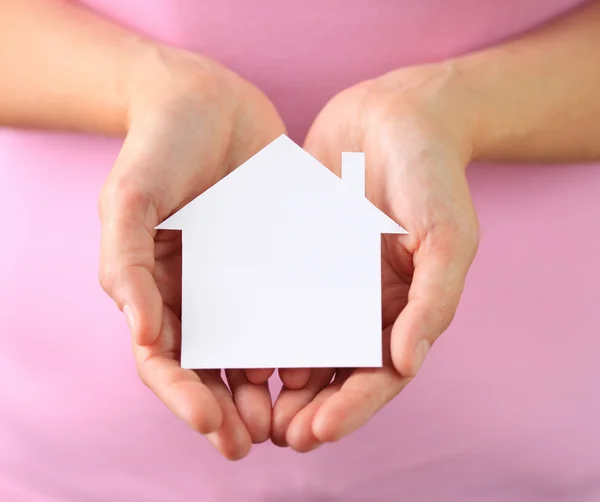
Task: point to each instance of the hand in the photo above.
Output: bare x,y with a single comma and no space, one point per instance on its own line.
415,128
191,123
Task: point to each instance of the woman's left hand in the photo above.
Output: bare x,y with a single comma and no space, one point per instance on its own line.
415,127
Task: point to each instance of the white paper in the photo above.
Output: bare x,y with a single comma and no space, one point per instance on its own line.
282,266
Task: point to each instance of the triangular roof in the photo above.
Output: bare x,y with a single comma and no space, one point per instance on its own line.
286,166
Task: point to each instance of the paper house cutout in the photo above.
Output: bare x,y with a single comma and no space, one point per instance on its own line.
282,265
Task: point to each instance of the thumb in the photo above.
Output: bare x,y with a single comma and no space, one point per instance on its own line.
441,267
127,257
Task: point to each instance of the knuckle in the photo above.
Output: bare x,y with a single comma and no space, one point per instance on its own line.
143,375
455,238
123,193
446,314
380,109
473,237
106,279
444,239
440,313
466,232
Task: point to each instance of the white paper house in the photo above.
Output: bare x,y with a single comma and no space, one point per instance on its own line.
282,266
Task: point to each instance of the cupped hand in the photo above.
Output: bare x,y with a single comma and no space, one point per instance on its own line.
416,129
190,123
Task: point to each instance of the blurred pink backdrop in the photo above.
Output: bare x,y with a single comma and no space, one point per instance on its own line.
519,419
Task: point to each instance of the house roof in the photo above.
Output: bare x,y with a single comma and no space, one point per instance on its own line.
287,171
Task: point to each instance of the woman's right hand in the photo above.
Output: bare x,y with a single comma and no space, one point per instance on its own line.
190,123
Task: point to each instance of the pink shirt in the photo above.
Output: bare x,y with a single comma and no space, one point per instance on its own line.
518,420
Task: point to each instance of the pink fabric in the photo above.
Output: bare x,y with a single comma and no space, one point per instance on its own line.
518,420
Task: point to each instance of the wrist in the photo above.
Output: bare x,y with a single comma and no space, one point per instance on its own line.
168,80
440,101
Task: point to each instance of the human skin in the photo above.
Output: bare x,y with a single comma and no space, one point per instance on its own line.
188,121
533,99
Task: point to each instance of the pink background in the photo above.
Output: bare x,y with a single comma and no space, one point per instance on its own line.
519,419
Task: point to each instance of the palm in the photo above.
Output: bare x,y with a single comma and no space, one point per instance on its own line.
411,178
167,160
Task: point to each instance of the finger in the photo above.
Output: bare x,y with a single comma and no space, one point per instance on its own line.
299,435
253,402
359,397
127,259
438,281
145,183
291,401
294,378
201,399
182,391
258,376
232,439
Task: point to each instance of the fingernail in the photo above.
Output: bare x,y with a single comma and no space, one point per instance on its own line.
420,354
129,317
